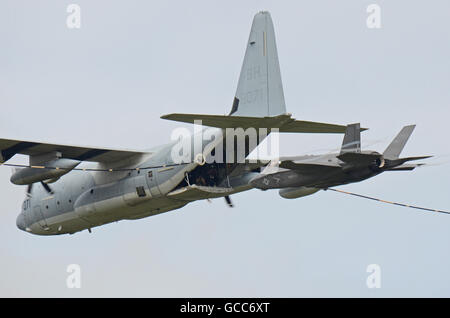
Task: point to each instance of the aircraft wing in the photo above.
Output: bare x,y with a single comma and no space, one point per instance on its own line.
283,122
358,158
9,147
309,168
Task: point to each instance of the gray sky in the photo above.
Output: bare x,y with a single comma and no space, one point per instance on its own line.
107,83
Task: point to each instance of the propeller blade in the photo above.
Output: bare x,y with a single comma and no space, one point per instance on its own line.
228,200
29,188
47,187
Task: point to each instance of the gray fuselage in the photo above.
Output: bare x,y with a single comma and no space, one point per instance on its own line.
329,172
86,199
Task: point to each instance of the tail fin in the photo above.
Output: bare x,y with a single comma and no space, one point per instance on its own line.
396,146
260,91
352,139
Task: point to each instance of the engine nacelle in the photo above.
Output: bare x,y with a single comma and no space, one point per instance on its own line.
294,193
52,171
378,164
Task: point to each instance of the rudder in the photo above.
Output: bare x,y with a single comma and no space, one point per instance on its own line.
352,139
396,146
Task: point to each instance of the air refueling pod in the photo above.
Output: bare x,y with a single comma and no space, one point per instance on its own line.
293,193
51,170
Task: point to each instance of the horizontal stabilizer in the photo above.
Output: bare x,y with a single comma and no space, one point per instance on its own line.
285,123
414,158
405,167
403,160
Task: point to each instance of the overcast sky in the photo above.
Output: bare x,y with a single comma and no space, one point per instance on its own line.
107,84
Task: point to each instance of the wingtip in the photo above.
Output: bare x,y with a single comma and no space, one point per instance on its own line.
262,15
263,12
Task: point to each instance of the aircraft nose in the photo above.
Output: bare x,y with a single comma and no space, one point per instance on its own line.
20,222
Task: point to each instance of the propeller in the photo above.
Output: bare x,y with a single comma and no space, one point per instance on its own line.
228,200
29,188
45,185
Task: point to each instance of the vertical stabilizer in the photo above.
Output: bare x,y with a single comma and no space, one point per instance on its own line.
352,139
260,91
396,146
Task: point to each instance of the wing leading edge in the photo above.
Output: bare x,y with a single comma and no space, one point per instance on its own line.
9,148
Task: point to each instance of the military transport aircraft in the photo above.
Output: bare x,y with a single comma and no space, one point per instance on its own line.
300,176
72,188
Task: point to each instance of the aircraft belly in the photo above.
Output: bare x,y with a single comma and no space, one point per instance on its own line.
284,179
118,208
159,205
195,192
341,178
